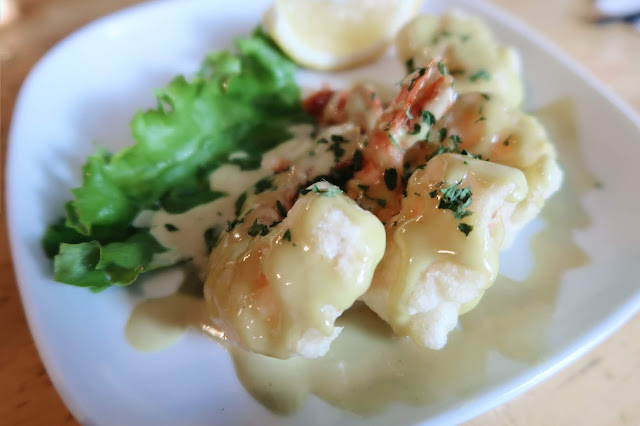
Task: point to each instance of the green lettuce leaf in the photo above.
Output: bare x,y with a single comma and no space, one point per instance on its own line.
90,264
242,101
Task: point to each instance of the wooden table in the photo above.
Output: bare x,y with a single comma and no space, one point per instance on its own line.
602,388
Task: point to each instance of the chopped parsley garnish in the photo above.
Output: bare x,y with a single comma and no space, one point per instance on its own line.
330,192
258,229
465,228
443,134
409,65
264,184
443,33
507,140
391,178
281,209
428,118
232,224
465,152
416,129
287,235
380,201
411,83
408,112
441,150
393,141
455,139
480,74
357,160
240,203
482,117
457,200
322,141
406,172
465,37
171,228
372,96
442,68
487,97
421,72
303,190
338,151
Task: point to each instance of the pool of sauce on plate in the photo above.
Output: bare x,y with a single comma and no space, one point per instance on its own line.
368,367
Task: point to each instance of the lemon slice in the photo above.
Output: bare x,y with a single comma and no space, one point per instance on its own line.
337,34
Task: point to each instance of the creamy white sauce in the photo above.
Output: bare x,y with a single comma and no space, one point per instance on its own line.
158,323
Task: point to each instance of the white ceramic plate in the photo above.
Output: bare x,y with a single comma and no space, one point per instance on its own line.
88,87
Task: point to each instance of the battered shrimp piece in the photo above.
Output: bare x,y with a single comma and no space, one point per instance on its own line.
442,249
487,126
475,59
425,95
276,288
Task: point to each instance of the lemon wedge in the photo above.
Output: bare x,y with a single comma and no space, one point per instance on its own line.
337,34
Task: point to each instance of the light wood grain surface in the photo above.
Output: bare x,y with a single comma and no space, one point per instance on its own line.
602,388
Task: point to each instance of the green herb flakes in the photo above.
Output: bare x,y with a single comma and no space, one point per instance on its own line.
443,134
416,129
281,210
264,184
465,228
240,203
391,178
409,65
480,74
428,118
442,68
393,141
457,200
258,229
357,160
